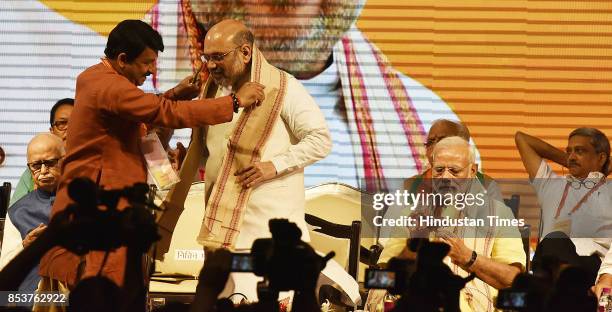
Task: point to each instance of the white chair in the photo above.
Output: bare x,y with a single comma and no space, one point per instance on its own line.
340,204
176,275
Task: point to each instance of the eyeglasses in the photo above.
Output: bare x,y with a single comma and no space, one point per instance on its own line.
61,124
217,57
439,170
36,166
586,183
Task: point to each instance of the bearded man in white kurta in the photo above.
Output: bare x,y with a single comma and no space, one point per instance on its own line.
254,165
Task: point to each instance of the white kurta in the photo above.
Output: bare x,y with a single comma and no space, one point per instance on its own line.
299,138
12,244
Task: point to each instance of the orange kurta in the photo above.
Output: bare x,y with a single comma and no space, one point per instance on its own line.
103,144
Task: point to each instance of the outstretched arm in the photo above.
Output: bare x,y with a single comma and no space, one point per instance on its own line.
533,150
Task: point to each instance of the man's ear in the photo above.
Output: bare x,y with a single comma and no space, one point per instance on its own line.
122,59
602,159
246,52
474,169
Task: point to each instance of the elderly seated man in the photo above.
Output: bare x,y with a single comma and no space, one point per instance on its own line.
479,242
440,129
29,216
58,119
576,205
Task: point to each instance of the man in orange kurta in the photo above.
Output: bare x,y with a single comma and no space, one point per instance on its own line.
104,137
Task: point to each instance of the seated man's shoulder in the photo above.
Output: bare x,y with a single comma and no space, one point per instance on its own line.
24,201
20,208
25,205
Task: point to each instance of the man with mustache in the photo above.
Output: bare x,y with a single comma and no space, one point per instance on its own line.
29,216
577,205
104,141
60,115
494,253
377,116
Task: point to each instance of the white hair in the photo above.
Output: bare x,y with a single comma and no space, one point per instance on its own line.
455,141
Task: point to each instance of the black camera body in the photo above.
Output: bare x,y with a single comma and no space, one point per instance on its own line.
511,299
97,224
426,284
285,260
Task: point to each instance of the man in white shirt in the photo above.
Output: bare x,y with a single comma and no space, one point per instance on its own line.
493,252
255,164
579,204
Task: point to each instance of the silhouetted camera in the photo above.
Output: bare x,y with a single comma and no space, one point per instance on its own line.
426,284
97,224
285,260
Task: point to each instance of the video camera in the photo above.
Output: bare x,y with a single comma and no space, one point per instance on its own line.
284,260
426,284
95,222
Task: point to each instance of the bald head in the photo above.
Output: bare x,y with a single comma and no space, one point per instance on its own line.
45,152
230,31
46,142
228,48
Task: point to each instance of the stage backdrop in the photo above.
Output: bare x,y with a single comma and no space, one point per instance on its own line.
544,67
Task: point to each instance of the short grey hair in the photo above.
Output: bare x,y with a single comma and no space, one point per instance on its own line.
599,141
454,141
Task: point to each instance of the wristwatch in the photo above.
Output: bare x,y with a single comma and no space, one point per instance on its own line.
472,259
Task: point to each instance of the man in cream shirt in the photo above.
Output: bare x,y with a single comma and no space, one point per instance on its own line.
271,184
494,253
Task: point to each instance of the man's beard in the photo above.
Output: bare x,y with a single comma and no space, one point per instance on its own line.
231,74
297,50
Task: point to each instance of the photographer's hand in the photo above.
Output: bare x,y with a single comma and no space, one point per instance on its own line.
604,281
212,279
